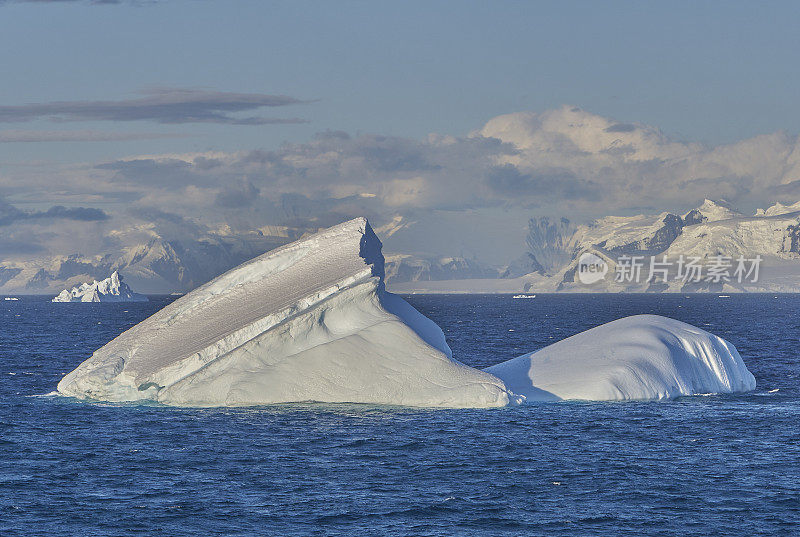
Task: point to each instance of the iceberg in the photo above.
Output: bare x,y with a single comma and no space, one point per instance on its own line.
112,289
309,321
312,321
642,357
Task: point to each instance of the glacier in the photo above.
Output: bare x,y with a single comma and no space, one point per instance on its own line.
642,357
312,321
111,289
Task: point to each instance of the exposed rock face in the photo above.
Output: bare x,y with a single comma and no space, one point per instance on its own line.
693,217
549,243
654,243
791,239
7,273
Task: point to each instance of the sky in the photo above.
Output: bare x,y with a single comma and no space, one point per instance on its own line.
459,120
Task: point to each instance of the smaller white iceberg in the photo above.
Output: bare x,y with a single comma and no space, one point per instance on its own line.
11,298
112,289
643,357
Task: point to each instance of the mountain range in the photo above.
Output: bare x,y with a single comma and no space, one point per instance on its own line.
550,263
712,234
160,265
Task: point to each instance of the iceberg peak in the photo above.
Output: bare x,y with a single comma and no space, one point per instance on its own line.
112,289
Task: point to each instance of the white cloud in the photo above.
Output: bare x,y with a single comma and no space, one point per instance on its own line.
637,165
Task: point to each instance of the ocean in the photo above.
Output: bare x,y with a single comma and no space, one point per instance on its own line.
714,465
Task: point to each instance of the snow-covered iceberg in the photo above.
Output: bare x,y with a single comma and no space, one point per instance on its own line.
643,357
112,289
310,321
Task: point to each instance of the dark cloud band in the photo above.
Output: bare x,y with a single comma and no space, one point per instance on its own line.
165,105
10,214
16,136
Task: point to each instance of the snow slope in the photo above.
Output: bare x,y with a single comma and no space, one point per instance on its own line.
309,321
710,230
711,211
112,289
643,357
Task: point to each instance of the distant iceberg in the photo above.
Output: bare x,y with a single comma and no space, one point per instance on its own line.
112,289
312,321
643,357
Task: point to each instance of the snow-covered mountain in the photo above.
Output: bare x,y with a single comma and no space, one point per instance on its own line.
155,266
554,247
164,266
713,236
712,233
111,289
413,268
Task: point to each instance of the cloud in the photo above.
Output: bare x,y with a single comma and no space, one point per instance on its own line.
160,105
168,224
560,162
151,171
547,184
10,214
237,196
624,166
621,127
343,174
563,162
19,246
11,136
81,214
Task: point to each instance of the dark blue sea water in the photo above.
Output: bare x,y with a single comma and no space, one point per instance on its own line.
726,465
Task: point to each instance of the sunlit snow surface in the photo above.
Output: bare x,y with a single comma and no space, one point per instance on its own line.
311,321
640,357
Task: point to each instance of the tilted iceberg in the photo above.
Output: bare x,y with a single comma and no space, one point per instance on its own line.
643,357
112,289
312,321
